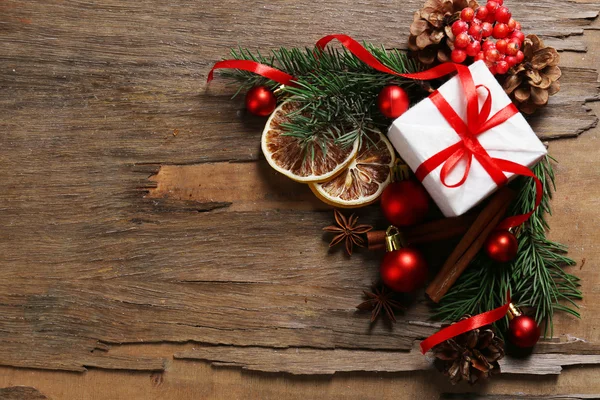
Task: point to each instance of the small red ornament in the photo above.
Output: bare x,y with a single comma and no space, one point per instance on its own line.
458,56
523,331
403,269
481,13
392,101
501,246
405,203
462,41
459,27
501,31
503,15
260,101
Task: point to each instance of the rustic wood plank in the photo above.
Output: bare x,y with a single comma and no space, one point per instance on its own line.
250,186
301,361
567,114
190,380
91,100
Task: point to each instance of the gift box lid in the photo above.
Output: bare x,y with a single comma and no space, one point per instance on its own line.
422,132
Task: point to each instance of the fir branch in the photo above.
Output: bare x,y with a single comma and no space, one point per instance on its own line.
336,92
536,278
301,63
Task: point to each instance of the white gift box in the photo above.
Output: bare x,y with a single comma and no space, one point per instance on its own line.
422,132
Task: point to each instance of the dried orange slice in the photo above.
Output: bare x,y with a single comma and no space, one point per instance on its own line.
365,178
287,155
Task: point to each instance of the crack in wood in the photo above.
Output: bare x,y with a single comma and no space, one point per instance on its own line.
301,361
21,393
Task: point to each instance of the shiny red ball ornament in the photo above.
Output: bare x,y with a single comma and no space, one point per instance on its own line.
523,331
404,270
405,203
260,101
392,101
501,246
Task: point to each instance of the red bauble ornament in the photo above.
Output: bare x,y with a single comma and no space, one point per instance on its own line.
392,101
403,269
501,246
523,331
405,203
260,101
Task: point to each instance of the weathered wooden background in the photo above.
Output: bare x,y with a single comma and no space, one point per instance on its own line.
136,208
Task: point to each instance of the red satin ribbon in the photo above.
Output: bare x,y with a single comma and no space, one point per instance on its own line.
478,122
483,319
252,66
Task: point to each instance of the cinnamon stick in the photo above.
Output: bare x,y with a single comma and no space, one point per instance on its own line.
442,229
433,231
376,240
471,243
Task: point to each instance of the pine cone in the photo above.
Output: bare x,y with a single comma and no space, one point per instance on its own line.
471,356
431,35
530,83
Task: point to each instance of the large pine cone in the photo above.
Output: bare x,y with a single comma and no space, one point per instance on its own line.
431,35
532,82
471,356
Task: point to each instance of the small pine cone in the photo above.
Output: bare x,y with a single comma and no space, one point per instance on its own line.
532,82
471,356
431,35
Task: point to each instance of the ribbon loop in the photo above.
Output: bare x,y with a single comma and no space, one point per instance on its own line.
486,108
452,161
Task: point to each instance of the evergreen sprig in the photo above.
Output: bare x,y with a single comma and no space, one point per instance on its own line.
535,279
336,92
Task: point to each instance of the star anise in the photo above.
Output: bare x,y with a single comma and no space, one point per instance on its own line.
347,230
381,299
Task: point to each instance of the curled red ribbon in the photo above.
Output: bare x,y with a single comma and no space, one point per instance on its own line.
483,319
252,66
477,123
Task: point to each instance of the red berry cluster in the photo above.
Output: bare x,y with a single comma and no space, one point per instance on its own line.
474,32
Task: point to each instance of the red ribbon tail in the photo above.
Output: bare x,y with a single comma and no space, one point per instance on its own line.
358,50
252,66
486,318
519,169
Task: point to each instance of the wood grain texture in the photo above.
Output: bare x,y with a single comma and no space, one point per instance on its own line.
301,361
21,393
136,207
198,380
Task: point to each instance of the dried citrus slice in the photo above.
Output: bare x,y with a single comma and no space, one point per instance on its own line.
365,178
287,155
